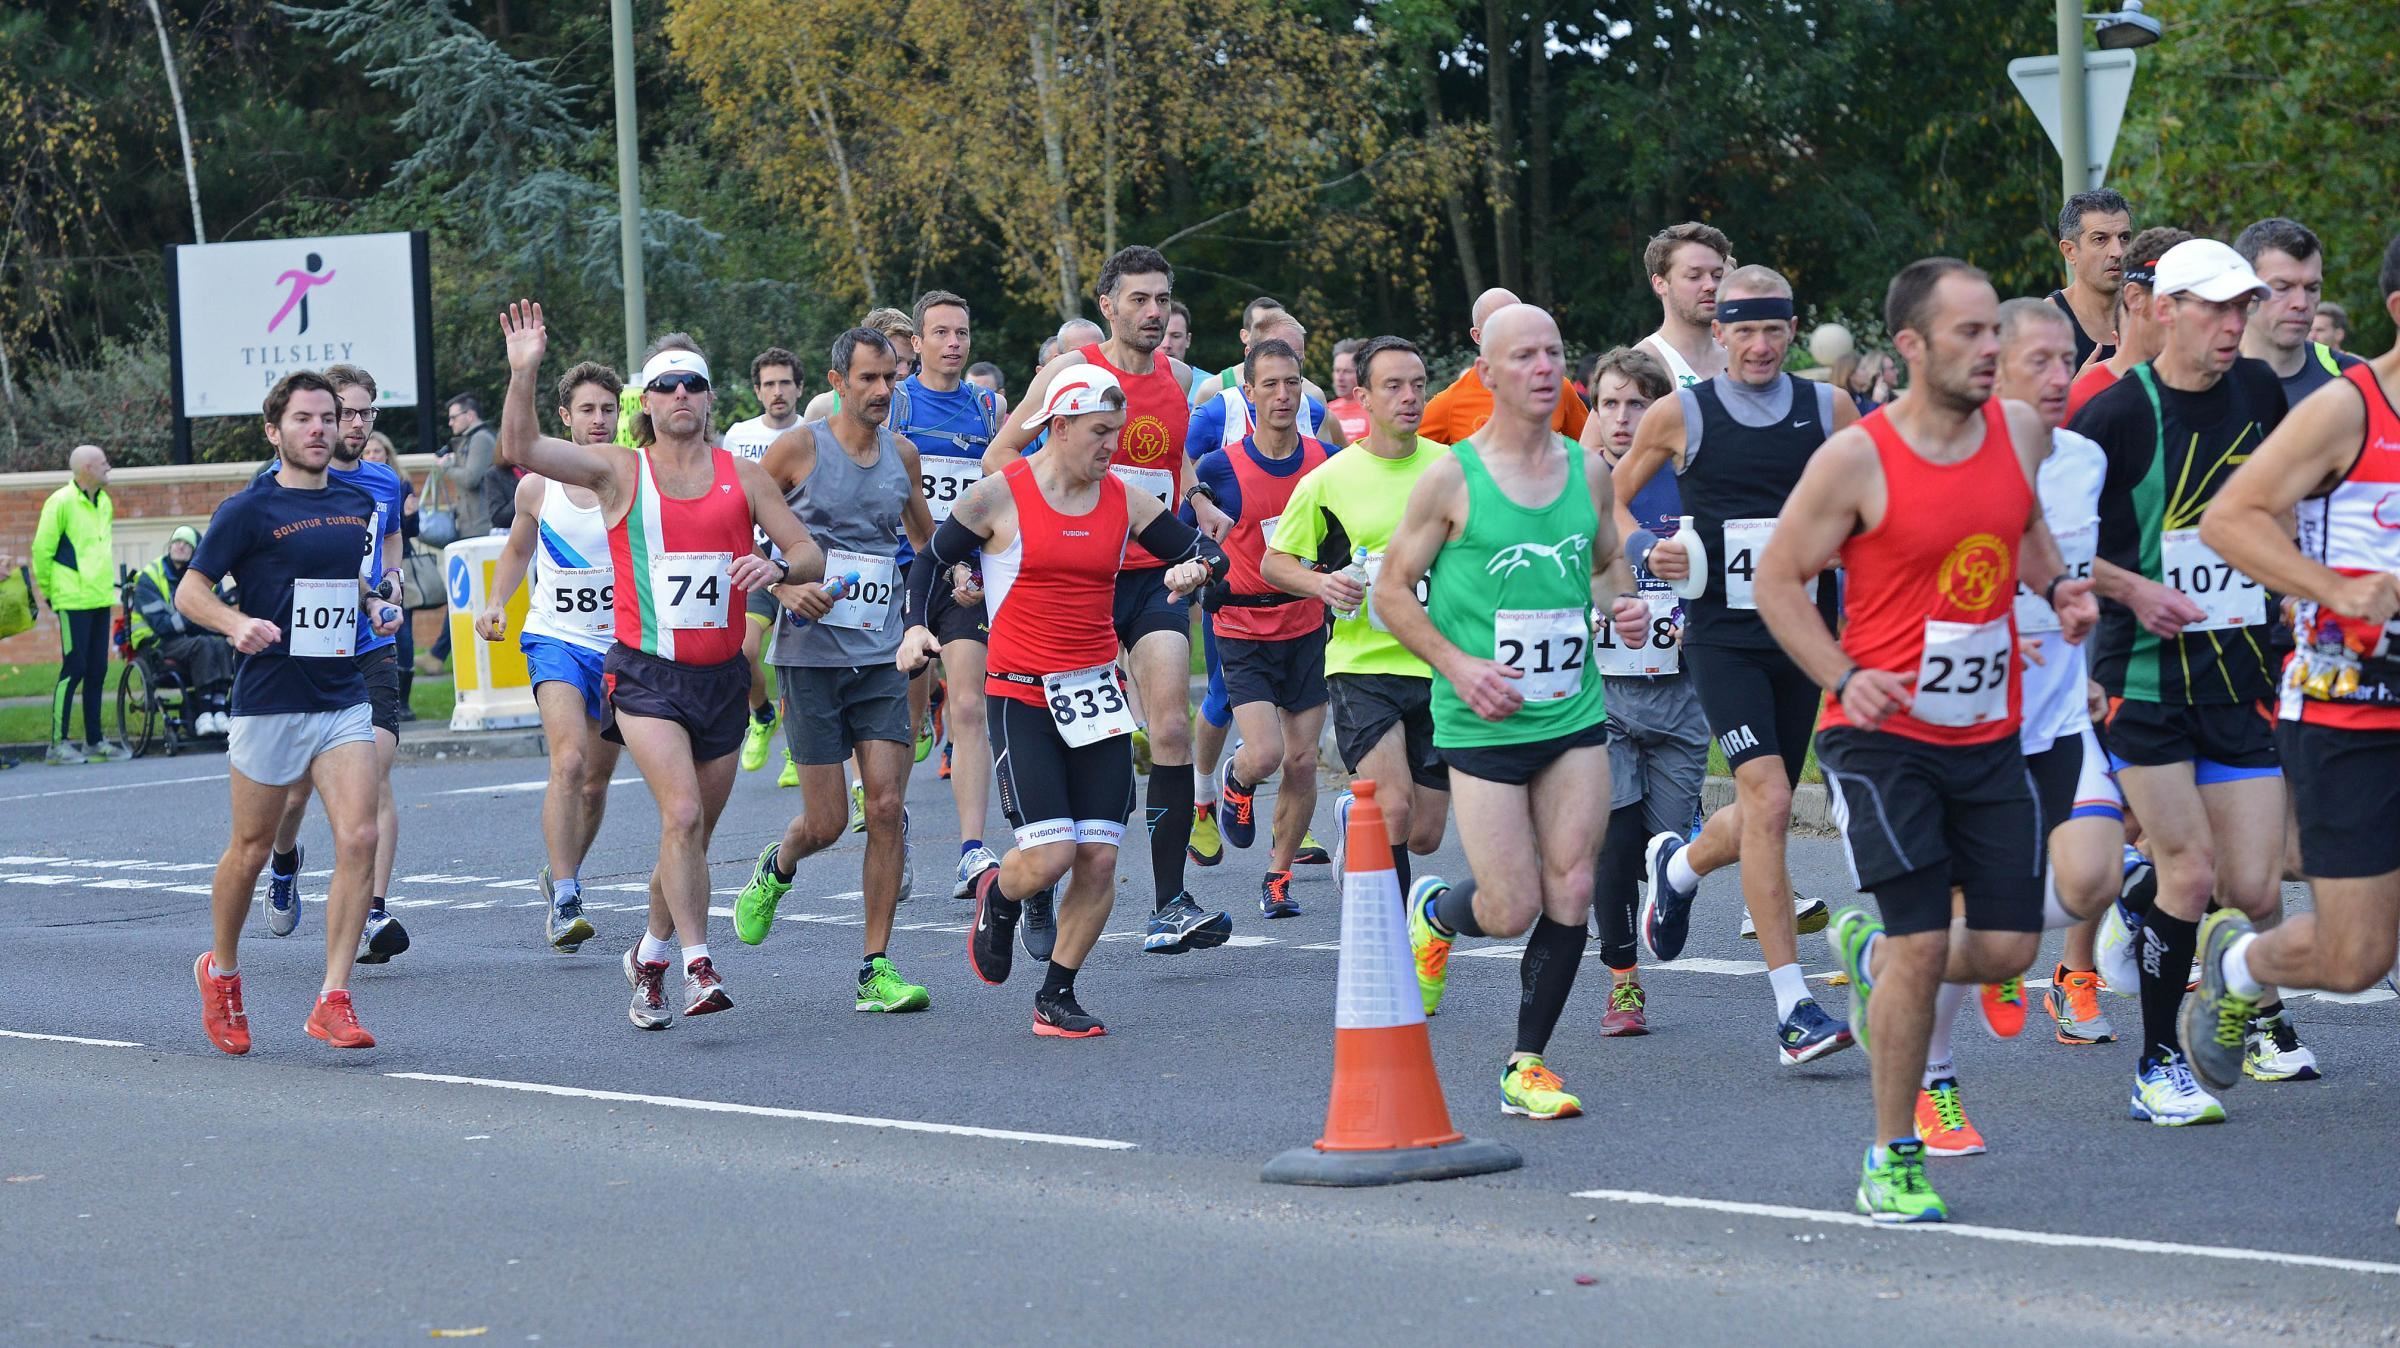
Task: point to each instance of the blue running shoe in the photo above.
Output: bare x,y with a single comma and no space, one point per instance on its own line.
1809,1034
283,895
381,938
1666,916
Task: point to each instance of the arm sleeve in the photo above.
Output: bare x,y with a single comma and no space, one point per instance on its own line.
1211,416
1172,541
952,544
1216,469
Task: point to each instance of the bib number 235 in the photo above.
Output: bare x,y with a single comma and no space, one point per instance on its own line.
1963,680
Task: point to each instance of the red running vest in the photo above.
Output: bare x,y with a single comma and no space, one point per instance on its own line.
1052,593
717,521
1264,496
1156,416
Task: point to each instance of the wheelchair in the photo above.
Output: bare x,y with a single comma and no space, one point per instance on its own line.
156,706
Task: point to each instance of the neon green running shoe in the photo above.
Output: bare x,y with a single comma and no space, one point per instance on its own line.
1851,932
754,911
1141,750
1430,947
858,807
1534,1091
2215,1020
1207,846
1896,1191
926,739
756,740
1312,852
791,771
883,989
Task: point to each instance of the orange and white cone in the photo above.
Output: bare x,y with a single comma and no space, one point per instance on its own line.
1386,1121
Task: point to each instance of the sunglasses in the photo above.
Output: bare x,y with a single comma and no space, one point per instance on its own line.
676,380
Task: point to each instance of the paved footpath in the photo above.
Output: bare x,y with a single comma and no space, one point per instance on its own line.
794,1172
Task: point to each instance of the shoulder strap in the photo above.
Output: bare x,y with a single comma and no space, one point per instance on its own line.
896,416
1235,405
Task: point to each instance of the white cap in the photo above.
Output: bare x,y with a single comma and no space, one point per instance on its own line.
1077,390
2208,269
671,361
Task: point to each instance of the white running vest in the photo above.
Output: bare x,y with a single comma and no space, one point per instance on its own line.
571,596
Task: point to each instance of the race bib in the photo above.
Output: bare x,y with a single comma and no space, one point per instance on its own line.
324,618
693,590
1266,531
1548,645
2194,570
1656,653
2076,548
1963,679
582,599
946,478
1088,705
1375,572
1745,540
1159,482
866,604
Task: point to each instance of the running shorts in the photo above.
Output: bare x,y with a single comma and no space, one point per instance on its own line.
549,660
1757,703
1517,764
1657,749
1917,818
1289,674
710,702
2071,780
276,749
762,608
2345,788
381,669
1052,793
950,620
1144,605
1367,706
829,712
2223,741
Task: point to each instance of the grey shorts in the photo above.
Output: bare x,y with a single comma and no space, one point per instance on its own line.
829,712
276,749
1657,749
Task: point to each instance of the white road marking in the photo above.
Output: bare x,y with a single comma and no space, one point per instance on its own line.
127,786
68,1039
513,787
771,1112
2007,1235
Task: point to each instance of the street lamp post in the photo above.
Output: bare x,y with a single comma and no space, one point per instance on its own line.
629,187
2074,156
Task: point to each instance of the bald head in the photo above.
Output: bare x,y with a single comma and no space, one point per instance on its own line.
1754,281
1077,332
1514,321
1522,361
89,464
1487,304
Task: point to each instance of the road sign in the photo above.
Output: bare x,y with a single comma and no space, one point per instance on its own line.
2107,81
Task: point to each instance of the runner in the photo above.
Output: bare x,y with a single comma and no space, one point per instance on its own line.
1930,504
570,622
1055,531
2331,327
1657,734
2286,256
2139,337
1273,643
1153,622
897,328
1461,409
1205,387
1347,410
1179,340
2094,230
775,379
2182,654
2335,461
295,543
1737,444
378,663
680,516
1380,693
1687,264
854,484
1508,625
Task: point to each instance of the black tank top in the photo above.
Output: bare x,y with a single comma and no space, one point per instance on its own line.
1742,472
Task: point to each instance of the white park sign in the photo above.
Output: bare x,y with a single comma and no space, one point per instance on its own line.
246,314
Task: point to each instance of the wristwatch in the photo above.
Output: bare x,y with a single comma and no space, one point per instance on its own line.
1200,489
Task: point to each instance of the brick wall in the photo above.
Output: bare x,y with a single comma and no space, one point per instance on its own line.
150,502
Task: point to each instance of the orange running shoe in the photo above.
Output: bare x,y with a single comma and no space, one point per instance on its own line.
221,1014
336,1022
2004,1009
1942,1122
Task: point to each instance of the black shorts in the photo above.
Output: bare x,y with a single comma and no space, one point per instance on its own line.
950,621
2345,787
1052,793
1288,673
2223,741
1757,703
1917,818
710,702
1144,605
1367,706
381,669
1517,764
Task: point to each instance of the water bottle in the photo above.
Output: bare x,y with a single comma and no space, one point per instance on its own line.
840,590
1357,571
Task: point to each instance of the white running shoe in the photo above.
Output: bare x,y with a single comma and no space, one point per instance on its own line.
2116,951
969,866
2168,1095
1808,915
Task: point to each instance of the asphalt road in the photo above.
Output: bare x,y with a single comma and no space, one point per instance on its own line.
739,1176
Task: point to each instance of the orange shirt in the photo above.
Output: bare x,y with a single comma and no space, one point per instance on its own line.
1461,409
2087,386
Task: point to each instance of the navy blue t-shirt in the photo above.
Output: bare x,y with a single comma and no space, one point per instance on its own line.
266,537
390,491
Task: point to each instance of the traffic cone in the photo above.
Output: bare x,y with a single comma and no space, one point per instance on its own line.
1386,1122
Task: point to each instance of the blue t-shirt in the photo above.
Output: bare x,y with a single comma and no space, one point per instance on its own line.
1207,430
267,537
954,423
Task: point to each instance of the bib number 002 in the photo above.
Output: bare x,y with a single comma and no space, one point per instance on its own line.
1088,705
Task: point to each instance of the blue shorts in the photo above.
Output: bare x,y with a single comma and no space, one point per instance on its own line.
1218,705
550,660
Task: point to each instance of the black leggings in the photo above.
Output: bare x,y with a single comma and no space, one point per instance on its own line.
82,664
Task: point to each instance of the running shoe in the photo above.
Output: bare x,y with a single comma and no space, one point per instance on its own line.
1430,948
1184,925
1853,931
1532,1090
1628,1012
2116,948
991,950
944,772
106,751
1312,852
649,1010
1942,1122
1237,807
1040,927
221,1016
757,738
1275,896
2272,1051
2003,1007
283,895
968,865
1141,750
1809,1034
1895,1190
1341,833
1207,846
64,755
335,1021
928,735
2073,1000
2215,1019
908,859
754,910
563,924
790,776
381,938
883,989
703,988
1666,916
858,807
1808,917
2165,1093
1062,1017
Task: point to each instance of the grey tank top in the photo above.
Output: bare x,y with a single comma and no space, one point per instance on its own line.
855,508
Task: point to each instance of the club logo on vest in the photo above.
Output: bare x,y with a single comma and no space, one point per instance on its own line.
1145,439
1970,577
2387,511
1566,554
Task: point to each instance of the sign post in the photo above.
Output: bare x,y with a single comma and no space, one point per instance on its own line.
2084,144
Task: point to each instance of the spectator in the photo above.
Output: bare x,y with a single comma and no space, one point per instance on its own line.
991,377
467,462
2331,326
206,657
1868,380
74,565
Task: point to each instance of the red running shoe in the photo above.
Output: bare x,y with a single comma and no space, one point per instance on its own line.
336,1022
221,1014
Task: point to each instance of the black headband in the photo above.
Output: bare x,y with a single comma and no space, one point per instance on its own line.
2143,274
1754,309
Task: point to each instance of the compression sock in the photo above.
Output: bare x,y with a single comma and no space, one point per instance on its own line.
286,864
1946,1004
2166,956
1170,828
1553,955
1616,885
1452,912
1058,978
1400,864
